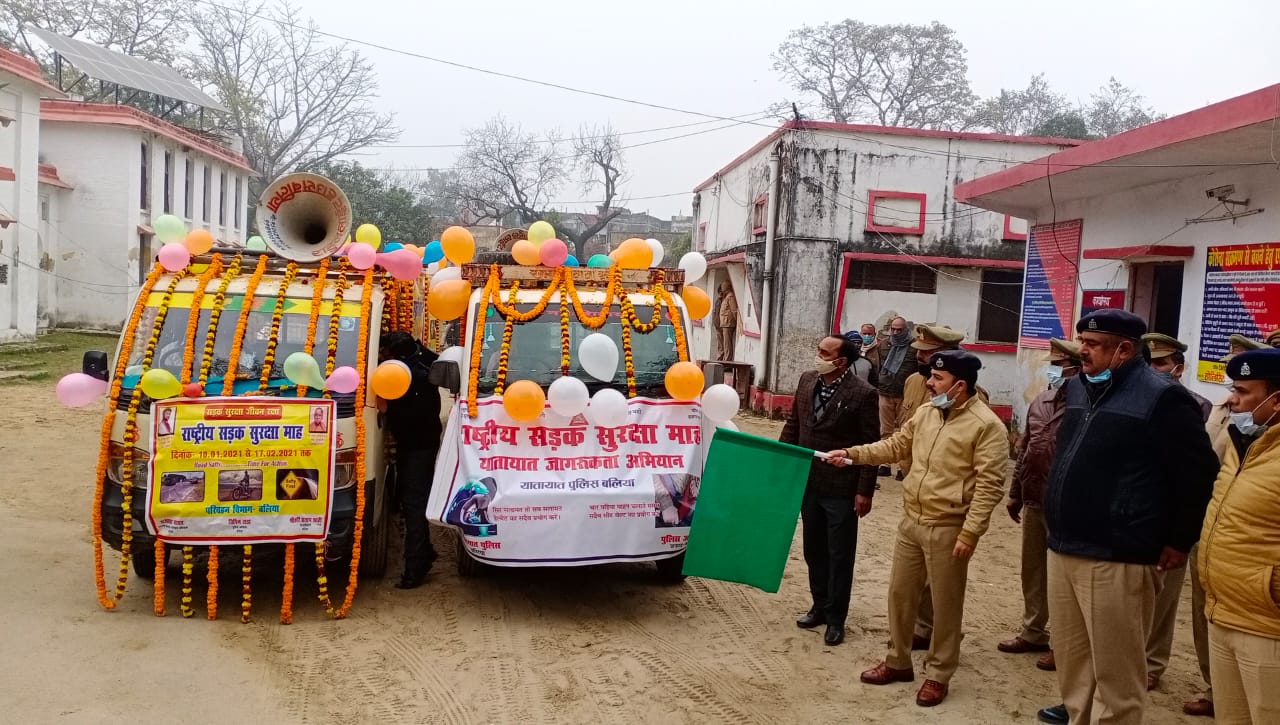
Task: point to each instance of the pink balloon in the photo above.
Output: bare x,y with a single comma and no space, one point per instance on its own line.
402,264
552,253
174,256
343,380
362,256
78,390
343,251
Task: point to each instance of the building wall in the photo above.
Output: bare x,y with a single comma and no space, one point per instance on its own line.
19,242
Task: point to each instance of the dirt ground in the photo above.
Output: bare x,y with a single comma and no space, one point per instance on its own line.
606,644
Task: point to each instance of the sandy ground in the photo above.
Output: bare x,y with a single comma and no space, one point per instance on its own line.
607,644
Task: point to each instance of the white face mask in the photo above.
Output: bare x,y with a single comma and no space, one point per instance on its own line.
943,401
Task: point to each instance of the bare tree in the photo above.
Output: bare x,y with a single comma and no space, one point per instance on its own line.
895,75
296,101
1116,108
1021,111
598,158
508,174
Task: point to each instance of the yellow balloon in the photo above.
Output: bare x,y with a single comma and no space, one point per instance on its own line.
540,232
525,252
458,244
524,400
448,299
697,301
369,234
391,380
634,254
685,381
160,384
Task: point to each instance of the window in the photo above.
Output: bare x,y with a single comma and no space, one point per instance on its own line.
893,277
999,302
144,202
239,208
1015,229
168,182
760,215
702,237
896,212
222,198
144,257
189,190
208,191
44,208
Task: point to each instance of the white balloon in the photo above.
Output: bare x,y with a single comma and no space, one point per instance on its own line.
598,355
451,354
727,425
720,403
658,252
432,268
608,408
694,266
568,396
445,274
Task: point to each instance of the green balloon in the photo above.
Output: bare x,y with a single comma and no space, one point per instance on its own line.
169,228
255,244
600,260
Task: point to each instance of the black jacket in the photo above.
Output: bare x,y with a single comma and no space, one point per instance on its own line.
414,419
1133,471
851,417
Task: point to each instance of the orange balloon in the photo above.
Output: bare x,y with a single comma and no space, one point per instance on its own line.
524,400
697,301
634,254
525,252
391,380
458,244
198,241
685,381
448,299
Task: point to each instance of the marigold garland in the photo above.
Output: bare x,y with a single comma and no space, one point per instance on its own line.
565,358
362,348
317,298
390,293
193,318
246,581
211,597
237,342
322,581
286,602
188,566
504,352
406,306
215,316
629,358
682,344
335,314
612,289
108,423
473,371
510,309
161,558
277,314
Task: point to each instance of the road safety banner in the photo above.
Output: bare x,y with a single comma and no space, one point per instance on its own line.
562,492
1241,296
241,470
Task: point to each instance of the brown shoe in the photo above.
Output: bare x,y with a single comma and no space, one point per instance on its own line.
1153,681
1018,645
883,674
919,644
1199,708
1046,662
931,693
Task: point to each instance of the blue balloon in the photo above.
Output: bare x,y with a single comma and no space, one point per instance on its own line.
600,260
392,246
433,252
572,261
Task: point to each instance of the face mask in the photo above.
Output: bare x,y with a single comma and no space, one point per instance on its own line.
1244,421
1167,374
942,401
1105,375
868,339
824,367
1054,373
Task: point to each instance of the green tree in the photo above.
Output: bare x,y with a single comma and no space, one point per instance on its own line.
1068,124
395,205
674,250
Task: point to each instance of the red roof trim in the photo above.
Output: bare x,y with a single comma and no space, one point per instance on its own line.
49,175
26,69
1009,235
1148,250
940,261
1259,106
741,157
106,113
735,257
7,174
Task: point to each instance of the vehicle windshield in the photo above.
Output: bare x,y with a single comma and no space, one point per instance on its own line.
535,351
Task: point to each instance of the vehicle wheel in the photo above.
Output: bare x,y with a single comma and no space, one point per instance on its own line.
467,565
373,542
671,570
145,565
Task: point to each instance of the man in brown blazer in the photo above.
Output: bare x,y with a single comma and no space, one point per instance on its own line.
833,406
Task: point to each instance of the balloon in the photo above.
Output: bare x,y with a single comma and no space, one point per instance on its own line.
634,254
78,390
401,264
598,355
134,371
445,275
572,261
524,400
160,384
417,251
391,380
540,232
525,252
697,301
608,408
694,266
343,380
448,300
684,381
392,246
600,260
302,369
568,396
433,252
192,390
199,241
169,228
258,244
458,245
174,256
451,354
658,252
720,403
553,253
369,234
361,255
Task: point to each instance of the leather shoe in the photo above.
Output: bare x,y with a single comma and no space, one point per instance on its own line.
411,581
1018,645
884,471
1199,708
834,635
1153,681
883,674
1046,662
931,693
1056,715
811,619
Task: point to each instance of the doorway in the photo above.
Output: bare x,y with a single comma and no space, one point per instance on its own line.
1156,291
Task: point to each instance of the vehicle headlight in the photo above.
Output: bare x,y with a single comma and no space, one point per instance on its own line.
344,475
115,466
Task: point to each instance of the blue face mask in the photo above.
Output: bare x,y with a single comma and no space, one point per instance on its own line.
1101,377
1054,373
868,339
943,401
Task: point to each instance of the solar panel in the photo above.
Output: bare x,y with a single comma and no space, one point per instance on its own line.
114,67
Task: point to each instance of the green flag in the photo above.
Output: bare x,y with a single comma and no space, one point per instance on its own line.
747,509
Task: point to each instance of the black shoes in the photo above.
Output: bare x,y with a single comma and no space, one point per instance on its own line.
1054,715
834,635
411,581
884,471
811,619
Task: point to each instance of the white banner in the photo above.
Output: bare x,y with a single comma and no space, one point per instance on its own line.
561,492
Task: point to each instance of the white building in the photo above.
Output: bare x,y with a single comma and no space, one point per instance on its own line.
121,168
831,225
1175,221
22,250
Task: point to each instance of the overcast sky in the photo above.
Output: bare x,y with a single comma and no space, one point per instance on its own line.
714,58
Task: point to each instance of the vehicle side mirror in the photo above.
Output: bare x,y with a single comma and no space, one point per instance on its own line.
445,374
95,365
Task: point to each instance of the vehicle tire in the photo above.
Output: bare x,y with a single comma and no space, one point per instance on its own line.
671,570
374,540
467,565
145,565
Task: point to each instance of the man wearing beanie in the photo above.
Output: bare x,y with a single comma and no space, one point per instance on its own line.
1125,499
961,449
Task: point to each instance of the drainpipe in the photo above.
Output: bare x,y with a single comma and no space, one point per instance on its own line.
771,225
